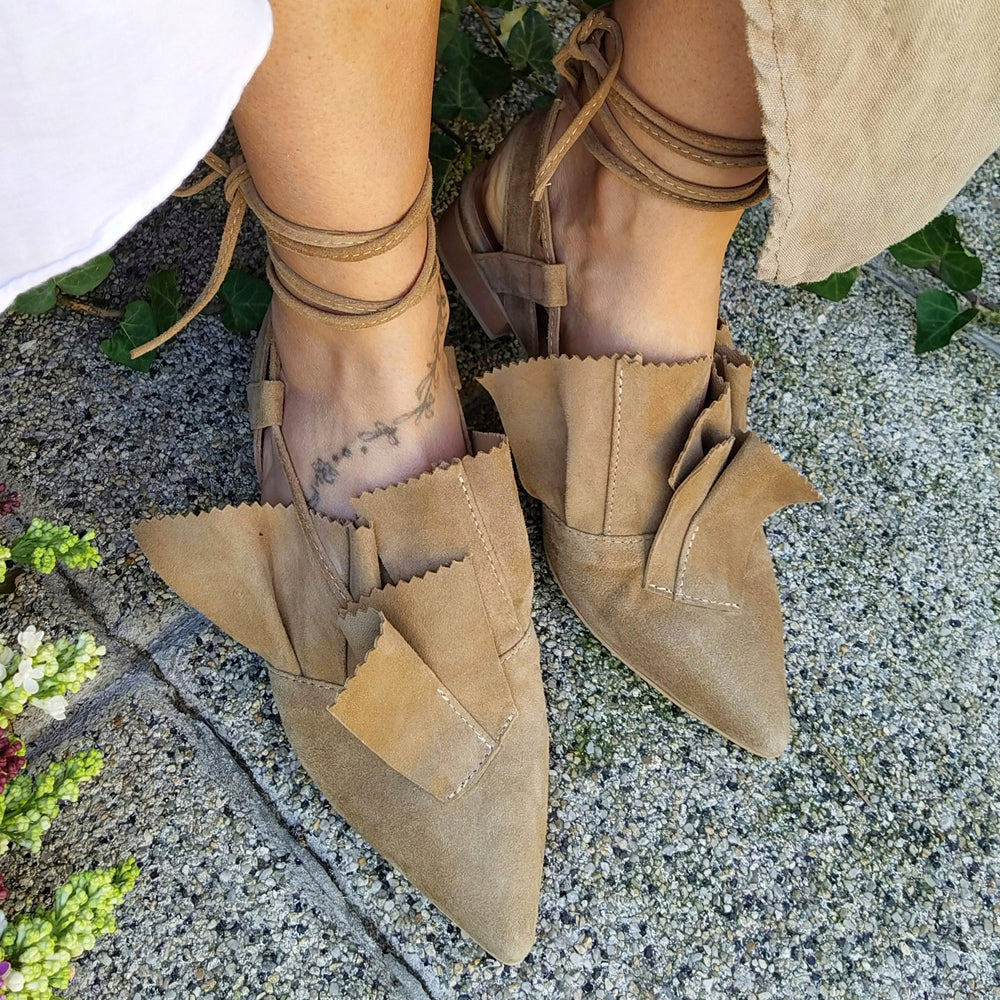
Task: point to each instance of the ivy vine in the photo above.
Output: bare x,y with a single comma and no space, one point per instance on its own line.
938,250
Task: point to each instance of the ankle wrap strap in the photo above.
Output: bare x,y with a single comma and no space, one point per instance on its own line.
296,292
590,63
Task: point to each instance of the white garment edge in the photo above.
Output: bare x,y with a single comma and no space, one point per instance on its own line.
108,233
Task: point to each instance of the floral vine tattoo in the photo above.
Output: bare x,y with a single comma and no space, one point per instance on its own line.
326,470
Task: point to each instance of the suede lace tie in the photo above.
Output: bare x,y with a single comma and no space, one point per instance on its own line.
299,294
590,63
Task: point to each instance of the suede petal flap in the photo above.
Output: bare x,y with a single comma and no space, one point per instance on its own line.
654,493
399,708
250,570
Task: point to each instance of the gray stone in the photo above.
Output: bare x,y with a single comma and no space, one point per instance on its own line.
228,903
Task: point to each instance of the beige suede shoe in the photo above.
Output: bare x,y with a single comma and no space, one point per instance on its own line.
653,493
400,646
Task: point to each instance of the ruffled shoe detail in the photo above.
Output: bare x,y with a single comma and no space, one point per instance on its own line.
654,494
416,703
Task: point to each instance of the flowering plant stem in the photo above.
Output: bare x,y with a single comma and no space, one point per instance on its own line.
30,802
40,945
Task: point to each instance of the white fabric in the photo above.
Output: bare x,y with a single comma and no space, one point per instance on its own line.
105,107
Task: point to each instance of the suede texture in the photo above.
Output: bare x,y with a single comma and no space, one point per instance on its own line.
416,706
654,493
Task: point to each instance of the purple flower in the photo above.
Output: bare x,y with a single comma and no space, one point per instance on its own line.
9,501
11,760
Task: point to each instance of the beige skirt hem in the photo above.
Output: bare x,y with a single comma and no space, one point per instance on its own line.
874,116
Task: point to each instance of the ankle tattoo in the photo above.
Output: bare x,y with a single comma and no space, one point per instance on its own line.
326,470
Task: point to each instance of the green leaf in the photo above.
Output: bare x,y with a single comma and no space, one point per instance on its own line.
939,249
926,247
939,319
834,288
530,44
456,96
509,20
960,269
138,327
449,24
164,299
492,77
86,277
36,301
460,51
245,300
443,151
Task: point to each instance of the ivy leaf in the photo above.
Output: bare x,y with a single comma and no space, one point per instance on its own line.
443,151
37,300
530,44
491,76
509,20
86,277
137,327
834,288
926,247
448,25
938,248
960,269
939,319
456,96
245,300
164,299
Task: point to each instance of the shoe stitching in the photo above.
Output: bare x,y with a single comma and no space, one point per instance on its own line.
634,116
482,537
680,577
684,560
451,705
517,645
618,438
693,600
302,679
642,181
482,763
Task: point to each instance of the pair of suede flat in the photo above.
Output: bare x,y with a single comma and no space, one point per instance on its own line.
399,644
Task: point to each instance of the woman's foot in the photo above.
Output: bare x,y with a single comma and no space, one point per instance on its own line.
363,408
643,272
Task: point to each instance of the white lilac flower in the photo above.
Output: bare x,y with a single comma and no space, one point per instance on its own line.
13,981
6,655
28,675
30,639
55,706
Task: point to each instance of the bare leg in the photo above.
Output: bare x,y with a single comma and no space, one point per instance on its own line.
644,273
335,127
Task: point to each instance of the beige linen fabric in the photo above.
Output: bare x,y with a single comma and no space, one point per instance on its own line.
875,115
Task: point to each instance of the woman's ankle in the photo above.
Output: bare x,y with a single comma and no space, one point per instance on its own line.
643,271
364,408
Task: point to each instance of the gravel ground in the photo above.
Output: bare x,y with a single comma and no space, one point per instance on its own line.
228,903
863,863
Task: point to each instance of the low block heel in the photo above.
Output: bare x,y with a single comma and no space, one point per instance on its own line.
456,255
